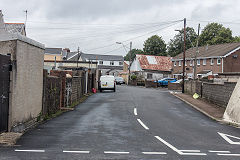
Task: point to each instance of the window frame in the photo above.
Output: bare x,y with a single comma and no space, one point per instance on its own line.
111,63
100,62
198,62
180,63
212,61
204,62
149,74
219,62
191,62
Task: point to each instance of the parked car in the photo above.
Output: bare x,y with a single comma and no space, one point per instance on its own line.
119,80
107,82
178,81
165,81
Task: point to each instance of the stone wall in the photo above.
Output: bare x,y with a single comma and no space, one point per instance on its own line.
175,86
150,84
192,87
218,94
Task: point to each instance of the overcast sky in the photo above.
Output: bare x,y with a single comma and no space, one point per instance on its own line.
96,25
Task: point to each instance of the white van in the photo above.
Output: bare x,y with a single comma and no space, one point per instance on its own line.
107,83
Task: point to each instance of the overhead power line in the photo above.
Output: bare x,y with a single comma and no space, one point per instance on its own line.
134,37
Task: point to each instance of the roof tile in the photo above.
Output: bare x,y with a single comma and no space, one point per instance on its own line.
161,63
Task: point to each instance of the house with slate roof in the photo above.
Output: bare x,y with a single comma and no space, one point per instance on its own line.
151,67
108,64
211,60
15,28
53,54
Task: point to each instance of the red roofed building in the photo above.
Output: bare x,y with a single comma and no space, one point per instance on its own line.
152,67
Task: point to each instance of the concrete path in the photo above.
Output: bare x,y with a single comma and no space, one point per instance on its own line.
132,123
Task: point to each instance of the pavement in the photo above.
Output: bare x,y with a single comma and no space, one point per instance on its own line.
131,123
211,110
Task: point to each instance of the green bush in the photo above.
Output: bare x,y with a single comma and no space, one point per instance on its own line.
133,77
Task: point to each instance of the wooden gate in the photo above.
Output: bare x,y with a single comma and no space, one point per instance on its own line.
4,91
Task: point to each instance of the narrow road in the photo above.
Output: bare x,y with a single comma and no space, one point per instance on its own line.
132,123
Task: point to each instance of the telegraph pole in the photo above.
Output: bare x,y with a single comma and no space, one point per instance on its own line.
130,59
184,50
77,57
195,58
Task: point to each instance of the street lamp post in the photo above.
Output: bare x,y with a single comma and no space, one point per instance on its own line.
130,49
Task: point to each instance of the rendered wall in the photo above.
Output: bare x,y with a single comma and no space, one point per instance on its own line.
25,101
232,112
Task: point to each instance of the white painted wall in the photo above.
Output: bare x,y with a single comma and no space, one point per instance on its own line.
107,63
135,66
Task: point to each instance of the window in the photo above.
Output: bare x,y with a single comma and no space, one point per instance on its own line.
198,62
120,63
111,63
212,61
179,63
204,62
100,62
174,63
218,61
191,63
185,63
149,76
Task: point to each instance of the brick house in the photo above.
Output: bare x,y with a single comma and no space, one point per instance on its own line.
211,60
151,67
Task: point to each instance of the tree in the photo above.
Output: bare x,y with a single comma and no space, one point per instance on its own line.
237,39
175,46
155,45
215,33
133,54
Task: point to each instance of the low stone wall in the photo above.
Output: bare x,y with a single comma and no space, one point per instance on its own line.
133,82
218,94
150,84
175,86
192,87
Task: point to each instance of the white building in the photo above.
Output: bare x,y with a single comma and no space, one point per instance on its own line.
108,64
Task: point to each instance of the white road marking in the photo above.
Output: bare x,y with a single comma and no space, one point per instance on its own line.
167,144
76,151
135,111
222,154
179,151
219,151
225,136
144,126
113,152
154,152
40,151
194,154
189,150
